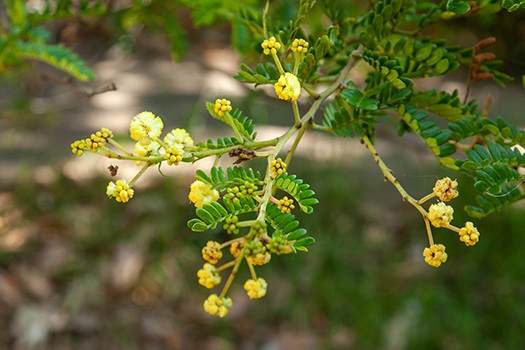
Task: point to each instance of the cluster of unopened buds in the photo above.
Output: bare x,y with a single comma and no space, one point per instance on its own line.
440,215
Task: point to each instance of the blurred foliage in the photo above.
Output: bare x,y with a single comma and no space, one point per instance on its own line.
369,291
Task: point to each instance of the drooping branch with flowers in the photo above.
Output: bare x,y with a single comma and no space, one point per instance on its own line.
258,210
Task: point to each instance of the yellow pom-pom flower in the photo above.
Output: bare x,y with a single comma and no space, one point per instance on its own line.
178,137
145,127
212,252
440,215
446,189
217,306
201,193
222,106
435,255
469,234
286,205
300,46
270,46
288,87
208,276
120,190
256,289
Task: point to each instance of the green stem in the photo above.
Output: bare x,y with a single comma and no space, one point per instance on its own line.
139,174
234,128
290,154
232,274
390,177
119,146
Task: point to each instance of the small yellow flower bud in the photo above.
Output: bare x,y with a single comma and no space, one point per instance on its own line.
300,46
270,46
469,234
277,167
120,190
286,205
222,106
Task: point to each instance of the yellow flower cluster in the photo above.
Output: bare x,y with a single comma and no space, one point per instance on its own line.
256,289
286,205
446,189
440,215
222,106
469,234
208,276
300,46
201,193
288,87
212,252
145,127
98,139
78,147
259,259
217,306
277,167
236,249
121,191
179,138
435,255
271,46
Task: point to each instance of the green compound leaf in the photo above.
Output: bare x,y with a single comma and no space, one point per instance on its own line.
210,215
298,190
243,124
57,56
287,226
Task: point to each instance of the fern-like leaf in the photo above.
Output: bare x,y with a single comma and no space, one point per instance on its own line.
297,189
58,56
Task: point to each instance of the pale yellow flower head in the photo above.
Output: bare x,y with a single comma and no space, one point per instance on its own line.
288,87
259,259
217,306
145,127
469,234
256,289
212,252
201,193
178,137
208,276
446,189
440,215
435,255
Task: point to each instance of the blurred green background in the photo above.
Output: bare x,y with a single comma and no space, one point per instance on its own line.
79,271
